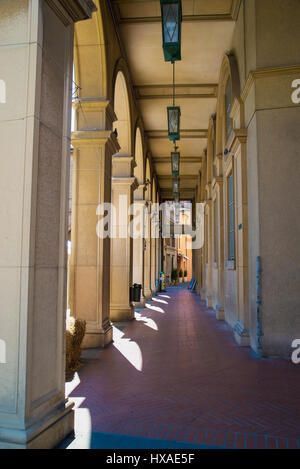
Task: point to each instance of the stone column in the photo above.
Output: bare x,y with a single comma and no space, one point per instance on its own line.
219,189
123,185
36,57
147,252
208,275
153,248
138,242
90,256
195,264
157,259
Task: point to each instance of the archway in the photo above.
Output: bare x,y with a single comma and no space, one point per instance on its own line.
153,236
122,110
139,209
233,186
139,157
147,241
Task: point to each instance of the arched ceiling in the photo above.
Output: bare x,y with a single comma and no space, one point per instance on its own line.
207,31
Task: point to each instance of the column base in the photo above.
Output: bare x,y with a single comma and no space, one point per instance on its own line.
241,335
100,338
209,301
147,294
44,434
140,305
220,315
119,314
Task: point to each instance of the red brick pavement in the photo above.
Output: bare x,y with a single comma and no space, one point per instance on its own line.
190,382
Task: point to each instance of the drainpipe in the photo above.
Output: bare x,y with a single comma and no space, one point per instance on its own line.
258,303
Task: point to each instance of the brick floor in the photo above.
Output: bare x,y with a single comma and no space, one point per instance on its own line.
176,374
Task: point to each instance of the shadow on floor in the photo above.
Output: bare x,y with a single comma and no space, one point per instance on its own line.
111,441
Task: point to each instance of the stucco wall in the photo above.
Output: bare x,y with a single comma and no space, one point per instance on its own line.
279,173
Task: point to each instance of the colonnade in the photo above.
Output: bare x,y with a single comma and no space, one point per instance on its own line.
36,52
248,268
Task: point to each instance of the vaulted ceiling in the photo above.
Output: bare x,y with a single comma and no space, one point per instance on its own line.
207,31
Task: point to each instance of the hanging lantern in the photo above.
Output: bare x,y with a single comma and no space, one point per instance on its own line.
173,123
171,15
175,162
176,187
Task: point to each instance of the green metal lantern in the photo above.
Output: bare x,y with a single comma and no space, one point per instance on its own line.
173,123
176,187
171,14
175,163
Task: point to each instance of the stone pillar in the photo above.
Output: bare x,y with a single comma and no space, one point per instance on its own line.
147,252
36,57
157,258
153,248
197,254
90,256
208,276
195,264
218,188
138,242
153,289
123,185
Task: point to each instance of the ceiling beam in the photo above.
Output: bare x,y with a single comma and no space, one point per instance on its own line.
184,193
183,177
194,91
225,16
183,159
185,18
184,133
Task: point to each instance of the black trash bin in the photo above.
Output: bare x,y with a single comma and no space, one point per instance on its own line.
137,287
131,293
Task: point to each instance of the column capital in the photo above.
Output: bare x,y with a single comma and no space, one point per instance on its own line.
139,192
96,113
124,181
71,11
217,181
94,137
140,201
122,165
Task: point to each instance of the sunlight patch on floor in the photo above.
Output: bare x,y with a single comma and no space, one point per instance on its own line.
155,308
147,321
160,301
128,348
71,385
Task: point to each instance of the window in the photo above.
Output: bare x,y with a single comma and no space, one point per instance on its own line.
230,218
216,230
228,108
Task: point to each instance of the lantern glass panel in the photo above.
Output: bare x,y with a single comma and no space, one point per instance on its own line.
175,159
176,186
174,122
170,22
